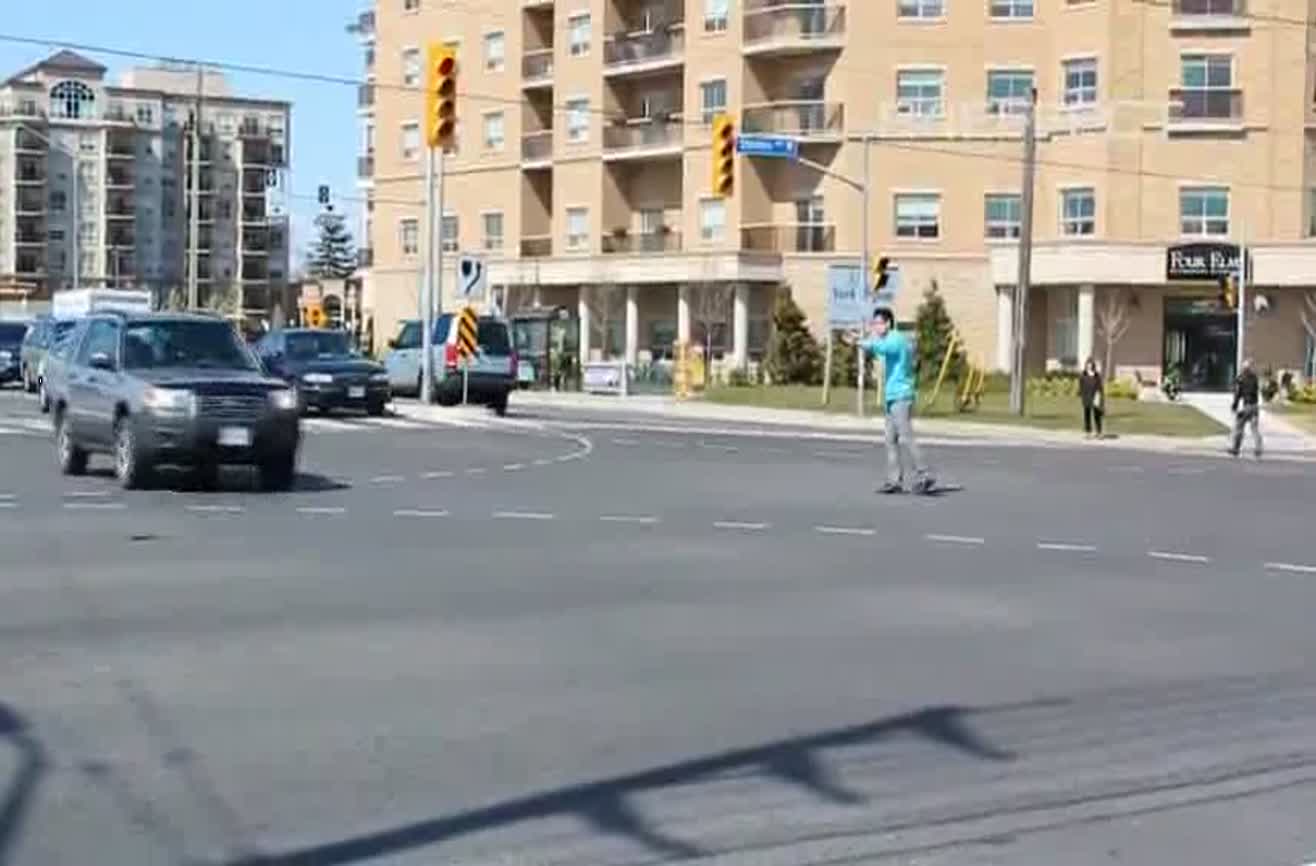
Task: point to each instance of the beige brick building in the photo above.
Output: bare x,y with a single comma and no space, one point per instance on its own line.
583,167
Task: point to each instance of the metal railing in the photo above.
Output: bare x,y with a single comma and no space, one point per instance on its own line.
537,246
365,165
30,174
25,203
1215,8
793,23
639,134
1192,105
537,65
29,142
665,241
797,117
621,51
789,238
120,239
537,146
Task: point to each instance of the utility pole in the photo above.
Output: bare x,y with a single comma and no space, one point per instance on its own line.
427,293
194,206
868,293
76,213
1241,300
1018,375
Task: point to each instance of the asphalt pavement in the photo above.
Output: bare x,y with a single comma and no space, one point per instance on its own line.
550,640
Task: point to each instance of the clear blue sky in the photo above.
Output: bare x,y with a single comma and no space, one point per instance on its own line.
307,35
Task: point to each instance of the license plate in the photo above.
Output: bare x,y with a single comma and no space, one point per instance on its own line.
356,392
235,437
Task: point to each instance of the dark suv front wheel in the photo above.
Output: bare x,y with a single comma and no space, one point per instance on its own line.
277,473
131,467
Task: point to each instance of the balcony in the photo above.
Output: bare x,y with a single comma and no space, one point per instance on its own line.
252,214
363,26
29,264
25,108
255,271
119,209
622,242
29,142
1206,16
536,4
1205,110
118,179
365,96
254,181
642,138
255,241
643,52
773,27
257,152
789,238
365,166
804,119
30,171
537,149
26,237
537,69
537,247
122,147
120,240
29,201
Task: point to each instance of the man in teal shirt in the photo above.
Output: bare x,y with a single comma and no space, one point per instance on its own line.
902,452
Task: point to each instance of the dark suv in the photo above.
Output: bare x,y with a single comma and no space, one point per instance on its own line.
173,389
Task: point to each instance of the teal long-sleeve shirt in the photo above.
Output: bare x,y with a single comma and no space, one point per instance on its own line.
897,354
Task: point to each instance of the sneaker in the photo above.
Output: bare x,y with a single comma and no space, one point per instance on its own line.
890,487
925,485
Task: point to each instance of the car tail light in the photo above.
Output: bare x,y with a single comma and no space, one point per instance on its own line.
516,362
450,356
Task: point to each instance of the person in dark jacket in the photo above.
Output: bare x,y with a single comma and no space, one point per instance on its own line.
1091,390
1247,409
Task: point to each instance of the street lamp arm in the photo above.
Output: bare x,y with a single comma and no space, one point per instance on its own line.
822,169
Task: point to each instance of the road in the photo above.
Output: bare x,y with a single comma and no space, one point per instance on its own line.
556,641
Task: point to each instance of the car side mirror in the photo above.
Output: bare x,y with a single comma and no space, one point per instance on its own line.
393,344
101,361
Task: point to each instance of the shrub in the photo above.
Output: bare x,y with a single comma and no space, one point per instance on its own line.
1305,394
996,383
1054,385
933,330
738,378
1122,389
794,356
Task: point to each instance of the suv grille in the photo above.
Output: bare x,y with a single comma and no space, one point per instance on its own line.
232,407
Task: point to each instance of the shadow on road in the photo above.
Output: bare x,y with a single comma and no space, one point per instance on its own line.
18,793
606,806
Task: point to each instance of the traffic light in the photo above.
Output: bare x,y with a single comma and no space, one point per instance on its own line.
1229,291
440,96
315,316
724,155
881,273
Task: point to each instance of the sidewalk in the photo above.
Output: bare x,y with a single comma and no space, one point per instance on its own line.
1298,445
1278,435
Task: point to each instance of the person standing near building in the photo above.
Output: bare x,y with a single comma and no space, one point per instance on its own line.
902,452
1091,390
1246,408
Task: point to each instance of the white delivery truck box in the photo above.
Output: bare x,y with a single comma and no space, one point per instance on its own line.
76,303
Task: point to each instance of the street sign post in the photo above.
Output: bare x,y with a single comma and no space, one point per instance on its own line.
772,146
467,345
472,277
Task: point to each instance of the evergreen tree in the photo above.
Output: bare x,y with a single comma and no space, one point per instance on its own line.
793,355
933,331
334,255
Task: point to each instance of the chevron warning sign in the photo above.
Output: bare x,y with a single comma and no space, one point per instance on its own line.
467,332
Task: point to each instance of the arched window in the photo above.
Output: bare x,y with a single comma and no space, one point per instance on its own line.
71,99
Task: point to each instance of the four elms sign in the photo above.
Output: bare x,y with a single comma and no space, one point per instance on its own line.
1203,261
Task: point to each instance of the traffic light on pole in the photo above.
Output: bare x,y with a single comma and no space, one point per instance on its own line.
724,155
881,273
1229,291
440,96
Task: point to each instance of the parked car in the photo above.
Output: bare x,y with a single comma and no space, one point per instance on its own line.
492,369
11,350
44,335
327,373
54,366
155,389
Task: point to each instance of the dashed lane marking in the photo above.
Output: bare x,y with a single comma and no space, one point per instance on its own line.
740,525
1170,556
87,494
513,467
844,530
625,442
387,479
1065,547
543,461
1291,568
214,509
430,476
955,539
476,470
321,510
7,504
644,519
522,515
94,506
420,512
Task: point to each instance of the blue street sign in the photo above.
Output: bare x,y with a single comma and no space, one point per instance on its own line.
774,146
847,306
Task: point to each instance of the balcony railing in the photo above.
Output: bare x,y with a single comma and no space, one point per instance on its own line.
120,210
637,134
803,118
774,25
665,241
29,238
30,142
254,214
1212,8
23,108
620,52
118,179
537,66
537,246
29,265
796,238
365,165
537,146
120,239
29,204
1202,106
30,173
365,95
365,25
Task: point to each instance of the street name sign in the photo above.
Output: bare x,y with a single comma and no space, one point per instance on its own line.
773,146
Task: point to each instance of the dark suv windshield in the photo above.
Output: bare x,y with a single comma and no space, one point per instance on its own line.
165,343
11,333
308,346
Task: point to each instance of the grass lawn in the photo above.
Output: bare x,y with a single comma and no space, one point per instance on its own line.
1050,413
1299,415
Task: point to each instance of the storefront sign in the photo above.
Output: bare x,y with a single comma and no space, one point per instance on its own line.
1202,261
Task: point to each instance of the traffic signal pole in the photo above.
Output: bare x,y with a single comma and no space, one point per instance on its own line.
427,292
1241,300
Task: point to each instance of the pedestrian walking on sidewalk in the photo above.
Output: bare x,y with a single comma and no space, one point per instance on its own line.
1092,391
903,455
1247,409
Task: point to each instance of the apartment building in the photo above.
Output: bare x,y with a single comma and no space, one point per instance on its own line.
363,27
1171,134
96,185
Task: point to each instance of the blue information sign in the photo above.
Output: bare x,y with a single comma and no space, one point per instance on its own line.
847,301
773,146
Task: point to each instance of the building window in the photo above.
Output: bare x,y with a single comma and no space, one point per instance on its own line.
1009,91
577,120
72,100
577,228
1311,213
918,215
1078,212
145,114
58,201
1080,82
410,5
920,92
411,67
1011,8
1064,327
712,220
409,232
716,13
1208,86
1204,211
712,98
578,30
493,231
921,9
450,233
493,131
495,51
1002,215
411,141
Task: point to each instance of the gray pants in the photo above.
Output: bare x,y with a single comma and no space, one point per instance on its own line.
1248,416
902,452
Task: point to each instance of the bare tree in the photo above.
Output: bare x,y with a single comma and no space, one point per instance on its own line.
1309,314
710,305
517,298
606,305
1113,322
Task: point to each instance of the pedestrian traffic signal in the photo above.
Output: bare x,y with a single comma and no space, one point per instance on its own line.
881,273
1229,291
440,96
724,155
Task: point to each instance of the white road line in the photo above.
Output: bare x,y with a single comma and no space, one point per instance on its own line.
1291,567
420,512
387,479
1134,469
522,515
476,470
844,530
6,504
956,539
395,423
1187,471
543,461
625,518
664,443
94,506
321,425
736,524
7,496
625,441
87,494
1066,547
1178,557
726,449
321,509
214,509
513,467
433,475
